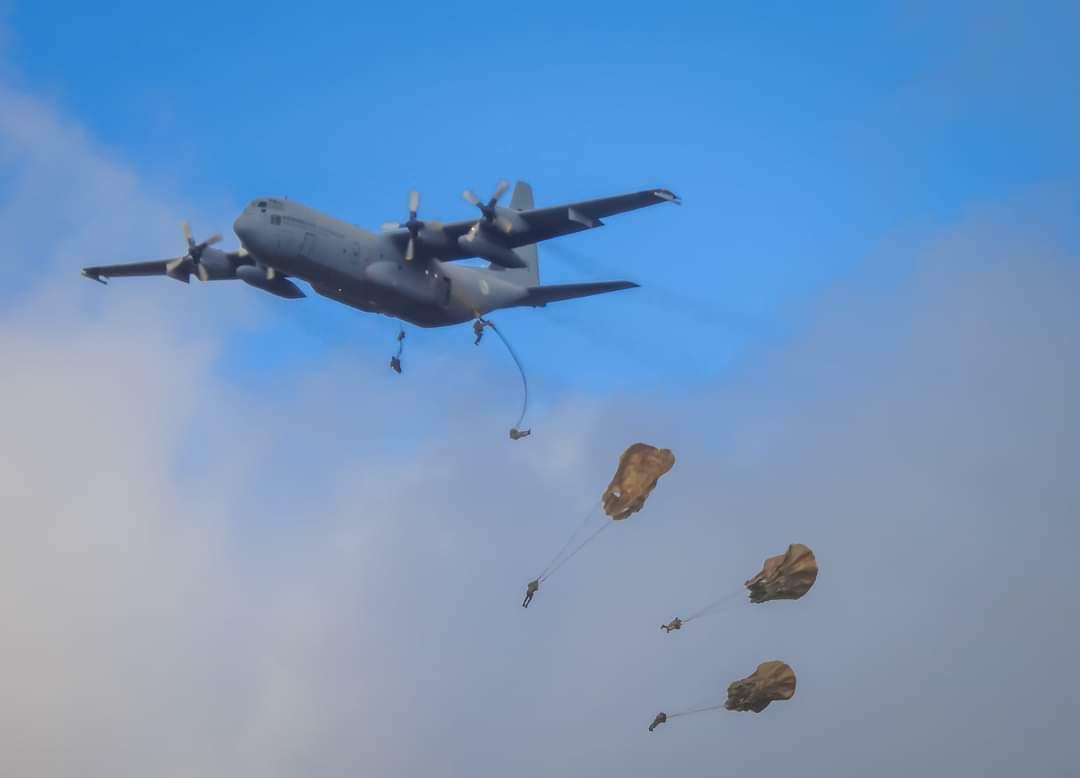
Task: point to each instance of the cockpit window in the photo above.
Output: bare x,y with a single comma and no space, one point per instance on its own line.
261,203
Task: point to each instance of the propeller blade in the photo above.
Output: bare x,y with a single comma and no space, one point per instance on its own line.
499,191
271,274
179,270
470,236
215,238
469,196
387,226
202,272
173,265
414,202
409,250
187,232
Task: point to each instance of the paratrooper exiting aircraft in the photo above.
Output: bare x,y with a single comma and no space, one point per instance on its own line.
407,271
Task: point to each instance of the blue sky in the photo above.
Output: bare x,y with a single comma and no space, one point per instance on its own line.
801,140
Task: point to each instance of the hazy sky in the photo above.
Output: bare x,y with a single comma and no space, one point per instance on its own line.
236,544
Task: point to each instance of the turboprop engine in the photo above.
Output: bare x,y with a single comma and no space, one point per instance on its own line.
479,242
480,245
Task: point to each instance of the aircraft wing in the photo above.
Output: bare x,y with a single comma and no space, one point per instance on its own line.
556,220
533,225
539,296
155,267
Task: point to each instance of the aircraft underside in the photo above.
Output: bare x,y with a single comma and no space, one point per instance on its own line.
396,306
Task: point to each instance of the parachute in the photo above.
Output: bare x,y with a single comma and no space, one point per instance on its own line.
640,468
771,681
785,577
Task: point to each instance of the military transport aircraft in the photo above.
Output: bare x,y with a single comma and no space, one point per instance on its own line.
406,271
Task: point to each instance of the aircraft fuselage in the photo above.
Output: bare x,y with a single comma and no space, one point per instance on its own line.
366,270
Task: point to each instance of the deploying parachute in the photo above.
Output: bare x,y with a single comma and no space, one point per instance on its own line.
516,433
787,576
770,682
640,468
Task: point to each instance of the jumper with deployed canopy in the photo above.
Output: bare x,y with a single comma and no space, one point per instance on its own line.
640,468
787,576
770,682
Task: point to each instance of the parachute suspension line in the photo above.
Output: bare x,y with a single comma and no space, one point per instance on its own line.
716,606
566,546
515,431
573,553
692,711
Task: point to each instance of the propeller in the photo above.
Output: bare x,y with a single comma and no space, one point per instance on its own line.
194,254
488,208
413,225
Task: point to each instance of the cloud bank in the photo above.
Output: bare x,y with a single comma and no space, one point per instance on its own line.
201,575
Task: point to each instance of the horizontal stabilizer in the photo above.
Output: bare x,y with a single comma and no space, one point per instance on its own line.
542,295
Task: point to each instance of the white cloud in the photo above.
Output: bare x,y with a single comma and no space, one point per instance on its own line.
202,578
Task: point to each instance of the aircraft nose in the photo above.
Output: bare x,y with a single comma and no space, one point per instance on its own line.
242,227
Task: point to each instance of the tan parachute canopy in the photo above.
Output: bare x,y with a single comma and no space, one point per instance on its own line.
785,577
770,682
640,467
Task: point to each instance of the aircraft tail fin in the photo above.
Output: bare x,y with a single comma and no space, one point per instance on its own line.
522,200
539,296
